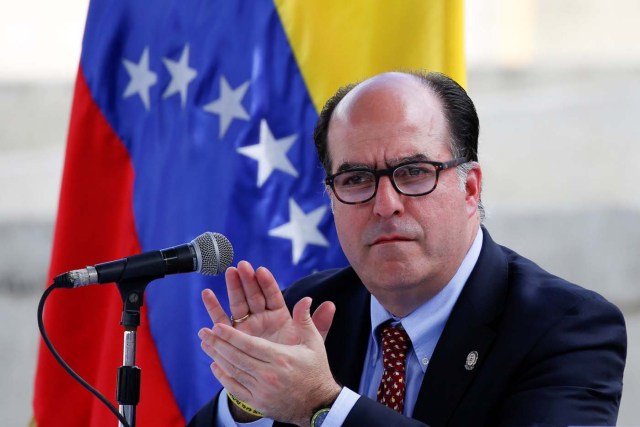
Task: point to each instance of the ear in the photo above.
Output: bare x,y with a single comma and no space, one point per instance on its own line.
473,188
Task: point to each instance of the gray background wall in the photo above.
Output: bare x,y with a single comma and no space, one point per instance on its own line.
557,88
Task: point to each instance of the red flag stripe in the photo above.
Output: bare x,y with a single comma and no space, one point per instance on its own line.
83,324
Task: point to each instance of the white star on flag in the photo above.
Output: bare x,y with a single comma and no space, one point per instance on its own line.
229,105
181,76
270,153
302,229
141,78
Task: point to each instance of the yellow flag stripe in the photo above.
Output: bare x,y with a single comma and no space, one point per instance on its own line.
336,42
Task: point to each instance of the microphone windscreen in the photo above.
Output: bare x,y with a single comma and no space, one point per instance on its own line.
216,253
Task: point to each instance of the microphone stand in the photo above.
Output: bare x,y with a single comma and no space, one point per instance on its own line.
128,384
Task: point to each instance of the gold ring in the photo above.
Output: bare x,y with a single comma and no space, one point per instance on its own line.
240,320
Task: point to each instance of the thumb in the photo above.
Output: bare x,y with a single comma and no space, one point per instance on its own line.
323,317
301,312
316,326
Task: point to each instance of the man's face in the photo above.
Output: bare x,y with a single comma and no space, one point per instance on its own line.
405,249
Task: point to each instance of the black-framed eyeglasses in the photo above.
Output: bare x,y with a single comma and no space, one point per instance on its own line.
359,185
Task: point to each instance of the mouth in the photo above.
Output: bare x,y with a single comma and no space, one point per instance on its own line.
385,240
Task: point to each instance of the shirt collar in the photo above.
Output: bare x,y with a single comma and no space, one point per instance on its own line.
425,324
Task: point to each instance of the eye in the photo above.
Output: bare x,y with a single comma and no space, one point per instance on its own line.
415,171
355,179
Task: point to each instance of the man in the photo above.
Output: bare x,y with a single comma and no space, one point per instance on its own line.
471,332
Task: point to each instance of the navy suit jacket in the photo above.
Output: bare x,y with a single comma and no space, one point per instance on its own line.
550,353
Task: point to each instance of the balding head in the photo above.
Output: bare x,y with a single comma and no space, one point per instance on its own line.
455,105
386,97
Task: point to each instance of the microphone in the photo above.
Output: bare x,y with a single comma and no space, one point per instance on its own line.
209,254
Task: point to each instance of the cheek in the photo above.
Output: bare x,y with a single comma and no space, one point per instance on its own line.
348,226
438,215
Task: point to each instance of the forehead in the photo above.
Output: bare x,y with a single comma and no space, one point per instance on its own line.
385,120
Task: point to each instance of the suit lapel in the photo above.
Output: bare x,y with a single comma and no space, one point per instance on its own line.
466,339
347,340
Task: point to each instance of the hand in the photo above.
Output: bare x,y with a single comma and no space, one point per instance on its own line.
285,381
257,293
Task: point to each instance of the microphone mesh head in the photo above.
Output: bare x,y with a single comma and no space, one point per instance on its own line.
217,253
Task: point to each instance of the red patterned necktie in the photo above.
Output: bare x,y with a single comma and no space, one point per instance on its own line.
395,343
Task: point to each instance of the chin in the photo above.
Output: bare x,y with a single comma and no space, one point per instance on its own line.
392,276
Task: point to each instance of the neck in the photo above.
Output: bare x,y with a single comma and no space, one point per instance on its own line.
403,303
402,307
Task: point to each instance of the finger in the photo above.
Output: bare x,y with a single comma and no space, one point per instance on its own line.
206,341
245,350
270,289
227,357
237,301
211,303
231,368
230,383
301,311
252,291
323,317
302,316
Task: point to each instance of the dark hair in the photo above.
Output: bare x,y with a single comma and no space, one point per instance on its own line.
321,131
459,112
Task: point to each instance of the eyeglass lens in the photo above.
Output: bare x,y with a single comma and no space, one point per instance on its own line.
411,179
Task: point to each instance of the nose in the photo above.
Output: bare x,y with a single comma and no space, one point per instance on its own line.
387,202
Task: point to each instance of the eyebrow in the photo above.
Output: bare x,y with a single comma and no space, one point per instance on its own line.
415,158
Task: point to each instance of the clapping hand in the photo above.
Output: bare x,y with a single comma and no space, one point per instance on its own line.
263,355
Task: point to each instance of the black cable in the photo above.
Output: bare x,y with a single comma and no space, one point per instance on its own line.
64,364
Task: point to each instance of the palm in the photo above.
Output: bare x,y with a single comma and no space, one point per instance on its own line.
257,294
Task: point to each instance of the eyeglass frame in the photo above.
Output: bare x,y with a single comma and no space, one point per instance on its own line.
378,173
